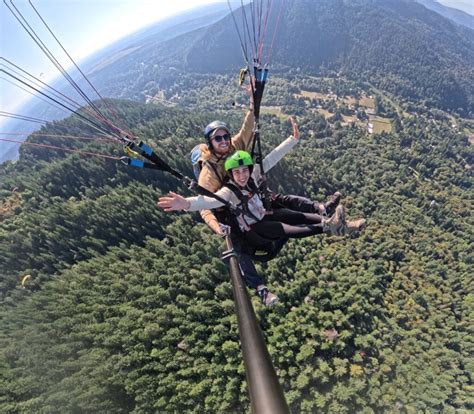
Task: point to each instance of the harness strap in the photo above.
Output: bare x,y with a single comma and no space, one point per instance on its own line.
244,200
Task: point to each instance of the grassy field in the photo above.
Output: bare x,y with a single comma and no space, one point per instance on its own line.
349,119
367,102
364,101
325,113
273,110
312,95
381,124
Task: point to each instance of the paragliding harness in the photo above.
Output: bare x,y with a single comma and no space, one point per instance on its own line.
244,199
259,248
238,224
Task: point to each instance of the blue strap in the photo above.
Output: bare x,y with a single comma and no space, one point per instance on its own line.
136,163
145,148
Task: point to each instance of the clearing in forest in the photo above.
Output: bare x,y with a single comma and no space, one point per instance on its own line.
381,124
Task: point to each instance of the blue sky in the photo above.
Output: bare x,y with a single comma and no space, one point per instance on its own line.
464,5
82,26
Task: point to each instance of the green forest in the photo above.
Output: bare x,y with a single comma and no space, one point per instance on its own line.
130,310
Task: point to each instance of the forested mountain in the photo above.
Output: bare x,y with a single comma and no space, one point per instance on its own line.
129,309
397,45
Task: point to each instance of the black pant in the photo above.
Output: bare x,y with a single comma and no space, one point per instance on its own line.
285,223
278,226
292,202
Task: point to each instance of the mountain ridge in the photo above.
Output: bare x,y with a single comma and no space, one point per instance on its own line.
425,55
376,42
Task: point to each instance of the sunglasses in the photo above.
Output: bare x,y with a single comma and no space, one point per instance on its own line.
219,138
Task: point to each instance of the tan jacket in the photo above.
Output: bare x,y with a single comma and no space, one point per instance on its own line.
213,173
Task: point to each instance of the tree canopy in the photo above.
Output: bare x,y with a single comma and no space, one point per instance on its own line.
129,309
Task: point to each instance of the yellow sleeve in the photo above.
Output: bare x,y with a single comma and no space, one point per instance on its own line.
211,220
243,139
209,180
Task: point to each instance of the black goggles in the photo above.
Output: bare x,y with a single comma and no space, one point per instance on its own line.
219,138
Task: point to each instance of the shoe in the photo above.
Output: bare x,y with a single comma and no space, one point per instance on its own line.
268,298
336,224
328,208
354,226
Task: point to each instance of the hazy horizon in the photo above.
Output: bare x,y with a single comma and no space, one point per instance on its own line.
84,27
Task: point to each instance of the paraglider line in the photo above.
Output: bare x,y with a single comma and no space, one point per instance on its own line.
95,154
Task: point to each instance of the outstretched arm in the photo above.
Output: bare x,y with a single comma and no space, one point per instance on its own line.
173,202
279,152
296,131
243,139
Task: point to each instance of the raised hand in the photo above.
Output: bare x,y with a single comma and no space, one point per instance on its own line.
296,132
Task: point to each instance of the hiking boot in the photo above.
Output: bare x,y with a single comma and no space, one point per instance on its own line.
268,298
336,224
328,208
354,226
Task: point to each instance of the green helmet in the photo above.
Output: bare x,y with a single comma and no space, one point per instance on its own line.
238,159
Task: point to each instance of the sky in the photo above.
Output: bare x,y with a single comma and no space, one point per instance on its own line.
466,6
82,26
